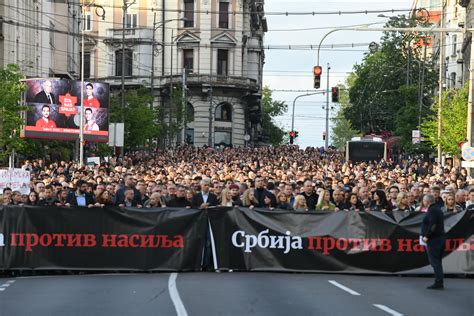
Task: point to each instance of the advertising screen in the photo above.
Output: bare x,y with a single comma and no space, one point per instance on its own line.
54,110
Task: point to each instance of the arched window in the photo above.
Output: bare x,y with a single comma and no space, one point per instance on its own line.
189,113
224,112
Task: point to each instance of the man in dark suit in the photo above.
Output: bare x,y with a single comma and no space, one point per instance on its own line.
80,197
46,96
264,197
432,233
129,184
205,198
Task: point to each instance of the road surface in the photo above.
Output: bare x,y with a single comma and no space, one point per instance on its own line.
232,294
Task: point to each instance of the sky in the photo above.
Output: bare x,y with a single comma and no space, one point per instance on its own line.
292,69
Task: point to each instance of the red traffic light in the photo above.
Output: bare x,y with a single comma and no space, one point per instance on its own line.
335,90
292,134
317,70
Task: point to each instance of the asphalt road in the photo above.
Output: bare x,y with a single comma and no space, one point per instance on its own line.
233,294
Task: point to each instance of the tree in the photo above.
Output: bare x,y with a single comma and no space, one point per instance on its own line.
10,110
140,119
270,109
384,95
342,130
453,121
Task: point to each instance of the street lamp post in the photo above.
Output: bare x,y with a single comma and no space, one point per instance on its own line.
156,25
294,101
100,11
125,7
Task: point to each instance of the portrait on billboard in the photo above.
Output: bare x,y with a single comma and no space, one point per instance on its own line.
58,115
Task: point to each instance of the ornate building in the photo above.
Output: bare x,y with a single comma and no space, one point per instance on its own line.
214,46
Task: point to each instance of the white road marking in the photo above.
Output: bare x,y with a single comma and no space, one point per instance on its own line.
342,287
174,294
5,285
2,289
11,281
388,310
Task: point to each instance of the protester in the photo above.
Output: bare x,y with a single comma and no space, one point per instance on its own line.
254,177
432,233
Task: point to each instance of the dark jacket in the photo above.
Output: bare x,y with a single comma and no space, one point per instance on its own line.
311,200
120,196
261,194
198,200
72,199
433,223
41,97
178,202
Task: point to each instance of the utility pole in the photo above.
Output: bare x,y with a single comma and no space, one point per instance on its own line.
422,83
170,119
152,79
184,112
209,138
441,78
326,143
125,6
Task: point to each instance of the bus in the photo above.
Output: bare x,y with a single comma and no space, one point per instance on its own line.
370,148
366,149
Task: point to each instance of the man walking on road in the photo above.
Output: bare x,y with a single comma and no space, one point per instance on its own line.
432,233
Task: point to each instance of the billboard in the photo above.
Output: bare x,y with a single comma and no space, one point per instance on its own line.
54,109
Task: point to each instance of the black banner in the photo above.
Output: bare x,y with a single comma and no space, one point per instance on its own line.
101,238
261,240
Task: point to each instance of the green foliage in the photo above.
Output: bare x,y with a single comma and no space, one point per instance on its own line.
342,130
453,121
384,96
139,117
270,109
10,110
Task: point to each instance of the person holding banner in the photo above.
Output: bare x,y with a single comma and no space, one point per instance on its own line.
433,237
45,121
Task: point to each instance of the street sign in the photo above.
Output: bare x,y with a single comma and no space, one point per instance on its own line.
467,152
467,164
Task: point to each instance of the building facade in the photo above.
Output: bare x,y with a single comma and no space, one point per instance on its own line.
41,37
214,47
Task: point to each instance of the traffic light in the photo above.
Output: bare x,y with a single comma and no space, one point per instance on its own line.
324,135
335,94
292,136
317,71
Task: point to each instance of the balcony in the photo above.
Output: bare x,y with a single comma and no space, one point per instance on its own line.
135,36
214,80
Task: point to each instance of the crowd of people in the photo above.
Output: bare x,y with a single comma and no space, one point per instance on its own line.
284,177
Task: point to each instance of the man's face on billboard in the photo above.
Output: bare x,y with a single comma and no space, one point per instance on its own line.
89,91
45,112
47,86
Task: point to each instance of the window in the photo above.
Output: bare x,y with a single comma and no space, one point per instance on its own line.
222,62
223,14
190,113
131,21
454,39
188,58
224,112
222,138
88,22
189,13
128,63
51,34
453,80
190,136
87,65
